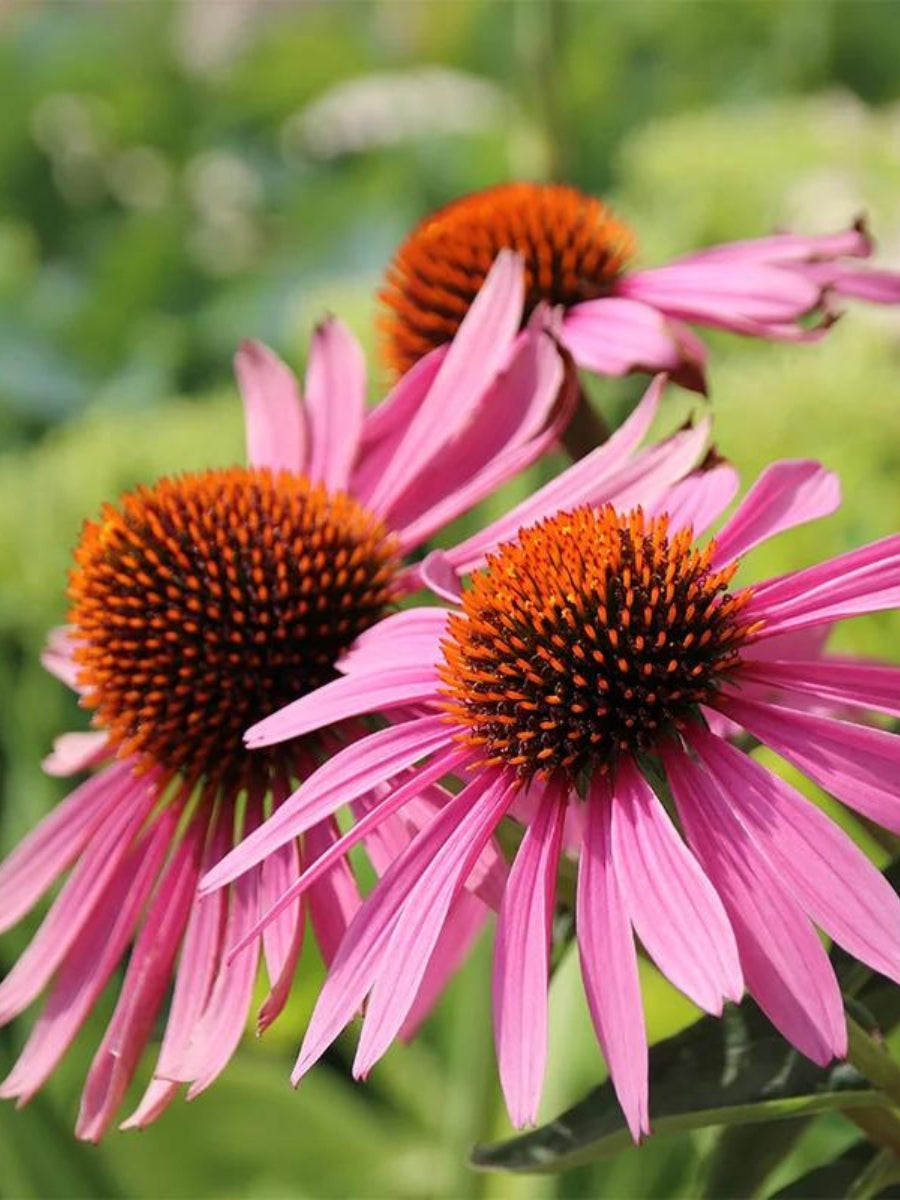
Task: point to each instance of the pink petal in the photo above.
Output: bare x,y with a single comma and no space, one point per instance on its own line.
833,880
334,897
720,291
672,905
437,573
199,963
522,962
838,681
787,248
273,412
698,500
615,335
411,636
787,494
62,835
361,954
861,581
577,485
216,1034
860,766
331,857
283,937
465,922
785,965
350,696
418,925
91,957
57,657
83,892
143,990
386,424
74,752
336,402
507,420
478,351
861,283
609,963
340,780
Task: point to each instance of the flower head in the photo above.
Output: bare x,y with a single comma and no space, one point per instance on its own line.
579,255
586,685
202,604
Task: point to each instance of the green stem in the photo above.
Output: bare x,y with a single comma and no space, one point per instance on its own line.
872,1060
883,1170
586,431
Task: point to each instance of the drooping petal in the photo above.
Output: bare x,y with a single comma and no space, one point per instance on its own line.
143,990
57,841
522,961
475,356
332,856
283,937
197,968
273,413
90,959
333,898
218,1030
615,335
83,893
786,494
340,780
361,954
860,283
710,291
673,907
789,248
418,925
785,965
609,964
859,765
467,917
837,886
336,402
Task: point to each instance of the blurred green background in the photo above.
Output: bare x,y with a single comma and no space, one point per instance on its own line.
176,177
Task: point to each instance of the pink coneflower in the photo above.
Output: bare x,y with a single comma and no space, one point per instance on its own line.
579,255
586,684
200,605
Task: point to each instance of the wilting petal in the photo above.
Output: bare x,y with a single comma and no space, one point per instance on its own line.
273,412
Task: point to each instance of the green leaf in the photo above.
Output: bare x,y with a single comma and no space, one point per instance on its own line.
858,1173
728,1071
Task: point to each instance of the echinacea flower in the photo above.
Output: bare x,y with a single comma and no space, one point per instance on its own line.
200,605
581,685
578,255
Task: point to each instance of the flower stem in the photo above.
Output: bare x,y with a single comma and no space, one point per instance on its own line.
586,431
872,1059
